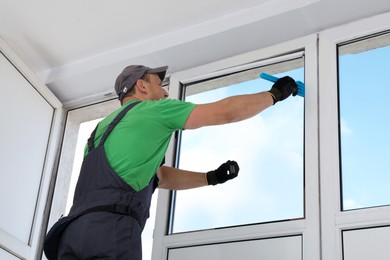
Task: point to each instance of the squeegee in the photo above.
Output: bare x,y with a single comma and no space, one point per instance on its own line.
301,85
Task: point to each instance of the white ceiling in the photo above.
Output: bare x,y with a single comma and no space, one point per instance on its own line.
78,47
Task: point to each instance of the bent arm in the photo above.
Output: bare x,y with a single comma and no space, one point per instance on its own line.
176,179
228,110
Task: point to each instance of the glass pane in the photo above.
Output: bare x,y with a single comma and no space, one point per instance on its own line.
364,122
267,147
85,131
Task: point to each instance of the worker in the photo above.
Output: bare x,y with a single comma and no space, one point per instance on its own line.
124,161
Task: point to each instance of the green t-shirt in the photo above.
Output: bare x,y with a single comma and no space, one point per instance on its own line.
138,143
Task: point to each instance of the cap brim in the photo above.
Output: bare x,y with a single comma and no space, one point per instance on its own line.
160,71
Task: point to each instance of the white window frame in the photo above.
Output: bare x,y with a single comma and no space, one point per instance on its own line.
8,243
74,118
333,220
77,115
308,227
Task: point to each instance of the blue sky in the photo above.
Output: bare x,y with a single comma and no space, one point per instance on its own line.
365,139
269,150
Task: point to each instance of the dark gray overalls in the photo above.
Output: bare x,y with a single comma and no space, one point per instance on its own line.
116,212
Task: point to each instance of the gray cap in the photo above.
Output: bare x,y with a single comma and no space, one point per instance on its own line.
129,76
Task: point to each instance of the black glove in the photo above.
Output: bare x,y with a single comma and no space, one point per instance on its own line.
283,88
227,171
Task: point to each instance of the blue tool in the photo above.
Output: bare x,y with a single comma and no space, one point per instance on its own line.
301,85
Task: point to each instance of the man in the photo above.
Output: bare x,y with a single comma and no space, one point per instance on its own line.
124,159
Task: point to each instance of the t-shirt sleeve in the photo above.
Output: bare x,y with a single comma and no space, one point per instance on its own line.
174,113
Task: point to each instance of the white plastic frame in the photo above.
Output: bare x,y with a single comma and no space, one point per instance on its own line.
73,120
10,244
333,220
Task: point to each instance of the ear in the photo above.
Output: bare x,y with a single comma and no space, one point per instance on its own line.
140,87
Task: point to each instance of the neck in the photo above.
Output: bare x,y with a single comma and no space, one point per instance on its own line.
130,98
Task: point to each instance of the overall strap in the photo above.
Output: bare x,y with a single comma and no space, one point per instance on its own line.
114,208
110,127
91,139
116,121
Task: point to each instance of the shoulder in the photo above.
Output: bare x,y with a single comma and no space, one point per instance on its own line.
165,106
166,103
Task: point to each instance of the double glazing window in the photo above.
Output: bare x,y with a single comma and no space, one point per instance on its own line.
267,147
364,121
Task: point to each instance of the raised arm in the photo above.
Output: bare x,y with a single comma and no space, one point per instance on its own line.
228,110
241,107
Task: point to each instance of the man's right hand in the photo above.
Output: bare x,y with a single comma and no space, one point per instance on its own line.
283,88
